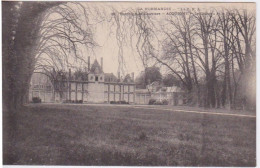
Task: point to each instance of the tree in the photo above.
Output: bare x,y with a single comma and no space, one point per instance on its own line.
150,75
39,42
21,26
20,31
170,80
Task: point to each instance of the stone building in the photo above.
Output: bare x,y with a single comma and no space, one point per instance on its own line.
93,86
174,95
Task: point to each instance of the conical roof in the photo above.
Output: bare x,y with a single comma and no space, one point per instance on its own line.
96,68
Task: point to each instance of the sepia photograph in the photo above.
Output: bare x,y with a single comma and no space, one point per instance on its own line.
129,83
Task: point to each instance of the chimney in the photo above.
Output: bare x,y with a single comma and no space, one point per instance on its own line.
89,63
69,74
102,63
133,76
119,78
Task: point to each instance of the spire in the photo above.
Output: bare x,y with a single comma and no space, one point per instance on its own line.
96,68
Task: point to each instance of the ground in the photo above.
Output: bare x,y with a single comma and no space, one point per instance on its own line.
128,135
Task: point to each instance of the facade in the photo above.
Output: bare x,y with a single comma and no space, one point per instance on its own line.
174,95
93,86
142,96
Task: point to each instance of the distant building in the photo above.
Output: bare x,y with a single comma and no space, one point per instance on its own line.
174,95
96,87
142,96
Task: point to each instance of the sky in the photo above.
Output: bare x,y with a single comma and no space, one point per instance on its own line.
108,45
105,32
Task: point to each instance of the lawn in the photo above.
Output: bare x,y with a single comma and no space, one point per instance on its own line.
120,135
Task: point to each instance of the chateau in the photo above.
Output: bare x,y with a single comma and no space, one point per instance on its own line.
94,86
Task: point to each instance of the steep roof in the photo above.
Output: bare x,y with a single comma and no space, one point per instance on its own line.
96,68
128,79
110,77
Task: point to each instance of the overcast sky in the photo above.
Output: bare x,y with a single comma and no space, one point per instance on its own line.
105,33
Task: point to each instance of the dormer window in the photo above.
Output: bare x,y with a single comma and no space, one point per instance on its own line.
96,79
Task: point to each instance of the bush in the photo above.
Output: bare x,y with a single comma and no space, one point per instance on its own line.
123,102
36,100
165,102
119,102
158,102
73,101
151,101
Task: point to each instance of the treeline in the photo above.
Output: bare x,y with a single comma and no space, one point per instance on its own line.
214,57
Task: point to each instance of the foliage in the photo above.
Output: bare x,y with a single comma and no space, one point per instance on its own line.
74,101
151,101
158,102
36,100
170,80
151,74
165,102
119,102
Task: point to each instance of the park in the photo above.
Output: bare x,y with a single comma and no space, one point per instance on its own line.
130,84
57,134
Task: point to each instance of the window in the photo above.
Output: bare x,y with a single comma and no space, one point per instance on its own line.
100,78
91,78
96,79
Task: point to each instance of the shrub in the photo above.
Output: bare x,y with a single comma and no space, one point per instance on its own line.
123,102
119,102
158,102
165,102
36,100
151,101
73,101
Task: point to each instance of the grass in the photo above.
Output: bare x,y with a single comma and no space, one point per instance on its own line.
119,135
